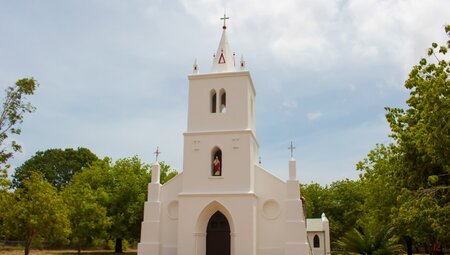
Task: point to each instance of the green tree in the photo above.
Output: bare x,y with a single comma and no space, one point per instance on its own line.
57,166
378,177
13,109
122,188
128,197
342,202
37,210
408,181
166,172
422,136
370,241
87,216
316,199
344,206
5,197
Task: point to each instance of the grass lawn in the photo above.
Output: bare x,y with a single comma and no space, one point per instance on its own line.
16,251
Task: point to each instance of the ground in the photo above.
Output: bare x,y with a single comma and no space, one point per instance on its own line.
16,251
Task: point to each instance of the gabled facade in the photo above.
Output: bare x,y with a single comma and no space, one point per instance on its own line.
223,202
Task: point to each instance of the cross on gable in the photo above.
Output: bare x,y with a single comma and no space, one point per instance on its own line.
157,153
292,148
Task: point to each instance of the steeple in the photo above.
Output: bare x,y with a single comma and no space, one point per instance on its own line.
224,58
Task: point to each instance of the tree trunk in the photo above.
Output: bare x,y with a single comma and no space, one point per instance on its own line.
119,245
437,249
27,248
409,249
79,247
28,242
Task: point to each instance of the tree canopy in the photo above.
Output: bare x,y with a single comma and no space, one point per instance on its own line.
403,189
57,166
121,187
408,181
37,210
14,107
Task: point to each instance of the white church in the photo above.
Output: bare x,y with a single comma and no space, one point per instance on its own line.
224,202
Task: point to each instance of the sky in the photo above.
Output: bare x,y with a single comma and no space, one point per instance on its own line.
113,73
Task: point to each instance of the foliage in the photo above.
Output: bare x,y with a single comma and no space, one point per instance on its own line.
407,182
316,199
57,166
5,197
422,134
166,173
37,211
122,188
341,202
11,116
345,206
371,241
379,170
5,183
87,216
424,216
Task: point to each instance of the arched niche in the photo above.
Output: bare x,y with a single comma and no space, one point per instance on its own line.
213,101
216,162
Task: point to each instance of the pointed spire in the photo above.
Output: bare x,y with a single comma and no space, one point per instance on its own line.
223,59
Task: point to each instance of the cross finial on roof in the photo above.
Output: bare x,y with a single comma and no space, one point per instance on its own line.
292,148
224,21
157,152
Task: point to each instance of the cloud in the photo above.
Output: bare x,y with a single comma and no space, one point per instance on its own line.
288,105
314,115
114,78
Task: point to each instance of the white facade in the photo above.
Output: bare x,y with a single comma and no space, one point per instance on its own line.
236,208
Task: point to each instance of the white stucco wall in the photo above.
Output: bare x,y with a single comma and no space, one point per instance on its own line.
271,193
239,89
319,250
238,156
169,215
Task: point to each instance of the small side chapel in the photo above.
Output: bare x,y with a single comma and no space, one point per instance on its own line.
224,202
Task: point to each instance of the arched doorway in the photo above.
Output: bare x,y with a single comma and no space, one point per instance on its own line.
218,235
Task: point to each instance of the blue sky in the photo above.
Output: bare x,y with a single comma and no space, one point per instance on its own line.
113,74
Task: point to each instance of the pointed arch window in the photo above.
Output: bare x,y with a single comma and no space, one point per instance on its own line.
213,101
316,241
216,162
223,101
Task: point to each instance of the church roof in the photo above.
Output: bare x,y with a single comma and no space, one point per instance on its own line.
314,225
224,58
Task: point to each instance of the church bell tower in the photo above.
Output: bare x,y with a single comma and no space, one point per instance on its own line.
220,146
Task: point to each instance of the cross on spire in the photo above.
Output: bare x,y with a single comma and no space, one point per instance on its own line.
157,152
224,21
292,148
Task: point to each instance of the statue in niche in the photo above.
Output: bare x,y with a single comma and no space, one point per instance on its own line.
216,167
